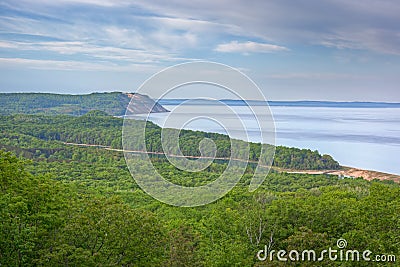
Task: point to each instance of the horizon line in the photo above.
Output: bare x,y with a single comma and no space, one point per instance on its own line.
222,99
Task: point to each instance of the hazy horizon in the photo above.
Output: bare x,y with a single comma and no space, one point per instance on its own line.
229,99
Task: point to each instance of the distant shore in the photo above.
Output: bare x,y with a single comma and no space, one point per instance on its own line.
302,103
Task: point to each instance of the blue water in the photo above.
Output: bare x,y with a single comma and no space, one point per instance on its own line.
367,138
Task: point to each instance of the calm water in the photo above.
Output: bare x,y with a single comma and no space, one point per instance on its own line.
367,138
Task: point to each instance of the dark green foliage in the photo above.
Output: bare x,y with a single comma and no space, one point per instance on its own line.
96,128
113,103
47,223
86,129
295,158
79,206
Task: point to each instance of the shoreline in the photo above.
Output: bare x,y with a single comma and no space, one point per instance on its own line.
343,172
350,172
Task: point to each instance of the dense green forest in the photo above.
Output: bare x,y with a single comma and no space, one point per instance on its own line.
114,103
66,205
97,128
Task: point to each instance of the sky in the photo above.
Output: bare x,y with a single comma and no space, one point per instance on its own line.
337,50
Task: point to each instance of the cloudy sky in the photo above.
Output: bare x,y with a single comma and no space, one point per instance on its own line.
294,50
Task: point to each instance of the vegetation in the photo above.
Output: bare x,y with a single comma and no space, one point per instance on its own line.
65,205
97,128
114,103
45,222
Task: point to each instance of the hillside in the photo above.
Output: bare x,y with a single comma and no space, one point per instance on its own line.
97,128
78,205
114,103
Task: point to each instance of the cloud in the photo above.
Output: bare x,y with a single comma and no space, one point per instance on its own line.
369,25
315,76
248,47
327,39
373,39
62,49
103,3
83,40
198,26
70,65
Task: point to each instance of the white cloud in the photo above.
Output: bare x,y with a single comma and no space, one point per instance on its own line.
199,26
249,47
369,25
103,3
140,40
70,65
7,44
372,25
81,49
315,76
123,31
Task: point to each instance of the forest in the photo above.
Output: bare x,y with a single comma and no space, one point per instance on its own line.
68,205
98,128
112,103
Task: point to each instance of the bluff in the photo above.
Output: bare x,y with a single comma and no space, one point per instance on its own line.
114,103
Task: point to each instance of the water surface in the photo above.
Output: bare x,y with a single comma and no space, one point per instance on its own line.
367,138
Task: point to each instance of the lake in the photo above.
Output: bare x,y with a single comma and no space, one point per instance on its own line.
361,137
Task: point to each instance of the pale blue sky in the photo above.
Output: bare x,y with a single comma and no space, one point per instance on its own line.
340,50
